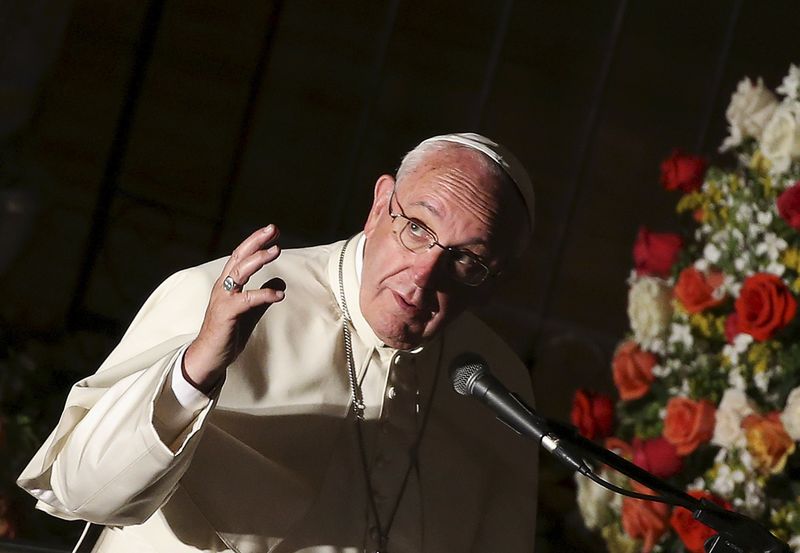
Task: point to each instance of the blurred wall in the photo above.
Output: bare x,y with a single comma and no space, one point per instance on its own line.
169,129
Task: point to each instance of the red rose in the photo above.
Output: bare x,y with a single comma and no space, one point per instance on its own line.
731,327
681,171
592,414
692,532
620,447
656,456
699,291
765,305
654,253
688,423
789,205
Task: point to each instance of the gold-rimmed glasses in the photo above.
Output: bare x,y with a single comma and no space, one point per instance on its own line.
462,265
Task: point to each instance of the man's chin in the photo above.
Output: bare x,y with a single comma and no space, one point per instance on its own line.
405,339
403,343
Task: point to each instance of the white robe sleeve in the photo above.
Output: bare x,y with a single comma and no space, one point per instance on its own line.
116,455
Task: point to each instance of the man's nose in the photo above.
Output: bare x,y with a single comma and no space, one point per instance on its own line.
427,267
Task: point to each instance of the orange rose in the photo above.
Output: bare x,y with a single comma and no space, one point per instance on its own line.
644,520
633,370
692,532
699,291
764,306
688,423
767,441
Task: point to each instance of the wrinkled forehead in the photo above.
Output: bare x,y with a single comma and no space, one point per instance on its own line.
448,167
499,159
459,177
458,186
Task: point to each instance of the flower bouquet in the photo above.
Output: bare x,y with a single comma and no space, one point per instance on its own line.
709,375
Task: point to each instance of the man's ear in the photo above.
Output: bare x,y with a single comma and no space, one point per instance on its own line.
380,202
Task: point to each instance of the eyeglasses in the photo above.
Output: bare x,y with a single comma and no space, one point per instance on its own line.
462,265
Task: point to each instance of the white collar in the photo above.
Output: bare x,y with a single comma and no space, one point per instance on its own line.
362,239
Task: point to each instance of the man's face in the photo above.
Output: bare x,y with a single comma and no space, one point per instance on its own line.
408,297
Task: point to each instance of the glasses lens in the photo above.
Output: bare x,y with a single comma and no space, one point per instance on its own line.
462,267
414,236
467,269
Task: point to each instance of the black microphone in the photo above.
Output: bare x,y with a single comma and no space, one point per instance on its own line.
471,377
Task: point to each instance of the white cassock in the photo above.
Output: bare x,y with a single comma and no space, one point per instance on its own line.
272,463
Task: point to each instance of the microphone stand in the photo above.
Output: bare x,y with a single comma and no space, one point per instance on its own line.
736,533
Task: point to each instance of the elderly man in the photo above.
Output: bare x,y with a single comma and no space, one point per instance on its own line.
301,402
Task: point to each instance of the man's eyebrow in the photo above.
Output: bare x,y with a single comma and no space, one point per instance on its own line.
430,207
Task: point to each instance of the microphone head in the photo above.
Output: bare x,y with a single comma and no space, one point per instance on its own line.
464,370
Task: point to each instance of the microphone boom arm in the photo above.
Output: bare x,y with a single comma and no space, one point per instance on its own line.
736,533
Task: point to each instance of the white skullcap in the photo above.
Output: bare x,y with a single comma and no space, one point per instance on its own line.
501,156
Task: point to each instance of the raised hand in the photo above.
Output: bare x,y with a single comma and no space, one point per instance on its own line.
232,312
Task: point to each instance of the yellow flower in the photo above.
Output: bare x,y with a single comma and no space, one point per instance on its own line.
791,258
720,323
766,183
708,325
618,541
689,202
759,163
734,183
760,355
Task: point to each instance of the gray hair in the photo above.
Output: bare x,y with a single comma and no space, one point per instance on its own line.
416,157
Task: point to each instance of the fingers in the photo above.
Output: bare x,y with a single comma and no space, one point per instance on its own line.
262,296
272,291
232,312
245,268
257,302
251,304
259,240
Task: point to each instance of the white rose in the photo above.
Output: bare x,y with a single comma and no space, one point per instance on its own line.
790,87
791,414
750,109
649,310
780,142
733,408
594,502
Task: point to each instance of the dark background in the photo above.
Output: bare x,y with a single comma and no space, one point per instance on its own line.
138,138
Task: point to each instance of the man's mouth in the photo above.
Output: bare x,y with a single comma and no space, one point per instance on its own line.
410,306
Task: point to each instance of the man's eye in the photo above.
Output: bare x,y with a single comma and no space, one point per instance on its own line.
462,258
417,230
